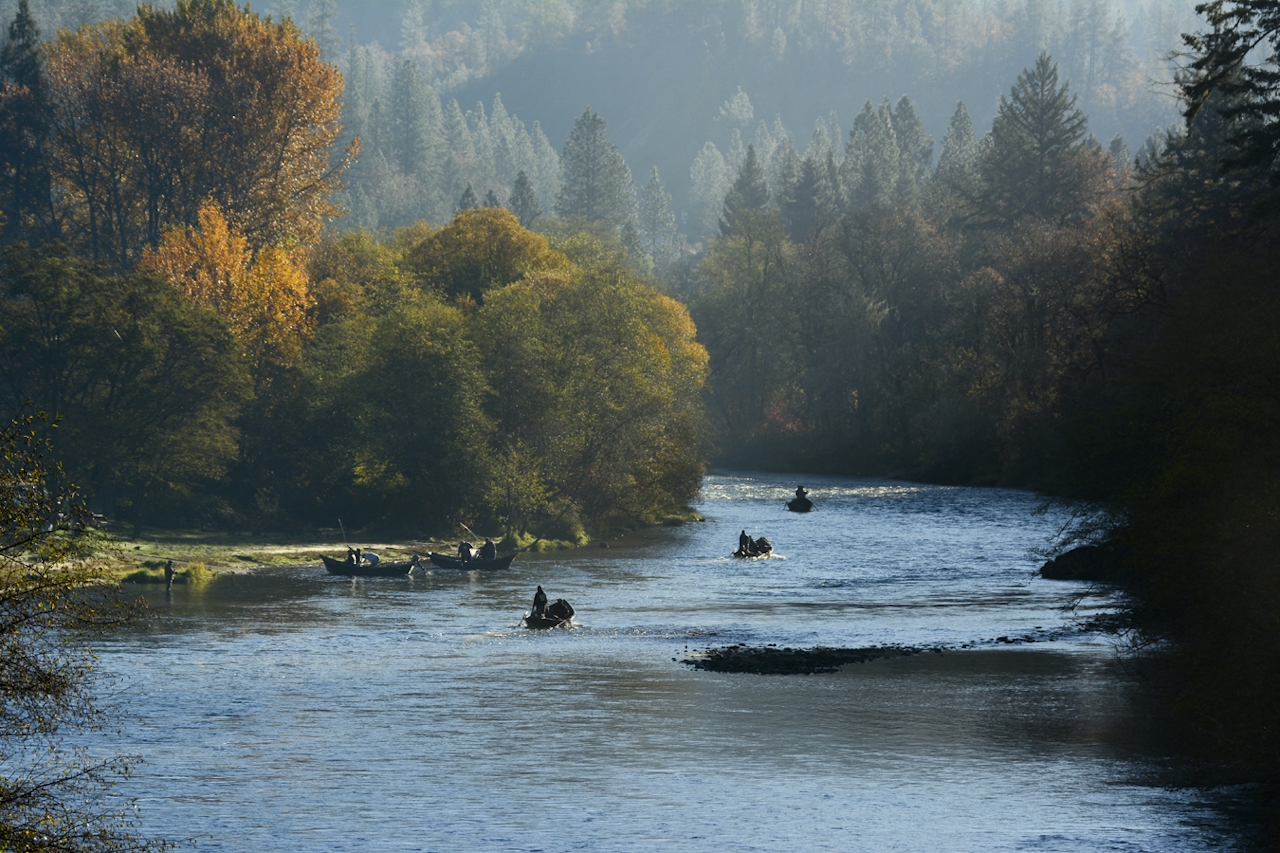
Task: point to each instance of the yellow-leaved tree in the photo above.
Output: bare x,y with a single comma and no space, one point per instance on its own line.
264,296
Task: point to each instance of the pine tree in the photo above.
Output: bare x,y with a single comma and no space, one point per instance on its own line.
872,165
749,193
1037,163
959,157
25,202
468,201
810,205
657,224
524,201
320,24
710,178
597,183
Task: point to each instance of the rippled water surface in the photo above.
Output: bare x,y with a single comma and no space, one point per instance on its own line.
288,710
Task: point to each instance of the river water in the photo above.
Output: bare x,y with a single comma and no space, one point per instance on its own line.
288,710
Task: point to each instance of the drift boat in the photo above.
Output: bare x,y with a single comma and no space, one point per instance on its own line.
559,613
380,569
445,561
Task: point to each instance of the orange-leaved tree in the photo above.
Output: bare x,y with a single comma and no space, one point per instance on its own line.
153,116
263,295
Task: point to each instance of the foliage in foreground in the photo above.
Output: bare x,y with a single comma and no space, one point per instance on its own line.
53,797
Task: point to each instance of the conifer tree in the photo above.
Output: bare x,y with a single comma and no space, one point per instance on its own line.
524,201
749,193
810,205
1037,163
959,156
597,184
872,165
468,201
710,178
25,202
657,224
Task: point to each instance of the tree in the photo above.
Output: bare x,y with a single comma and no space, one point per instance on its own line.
957,163
26,211
872,164
1037,163
467,201
709,175
597,380
482,249
809,205
54,604
657,224
264,297
597,187
524,201
749,193
148,385
1237,58
153,117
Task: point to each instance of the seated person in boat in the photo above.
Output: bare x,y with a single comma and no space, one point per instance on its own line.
371,559
801,494
465,551
763,546
488,551
539,602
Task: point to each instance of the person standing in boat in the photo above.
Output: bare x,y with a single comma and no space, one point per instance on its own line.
744,542
539,602
488,550
465,551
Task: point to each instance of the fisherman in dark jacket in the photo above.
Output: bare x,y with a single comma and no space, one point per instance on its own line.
539,602
488,550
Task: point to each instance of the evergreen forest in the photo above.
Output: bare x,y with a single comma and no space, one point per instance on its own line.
531,266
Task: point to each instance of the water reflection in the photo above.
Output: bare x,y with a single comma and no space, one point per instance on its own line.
292,710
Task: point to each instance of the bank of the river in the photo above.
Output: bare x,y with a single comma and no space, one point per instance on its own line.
221,551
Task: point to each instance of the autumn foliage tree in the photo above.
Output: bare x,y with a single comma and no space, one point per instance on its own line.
152,117
264,296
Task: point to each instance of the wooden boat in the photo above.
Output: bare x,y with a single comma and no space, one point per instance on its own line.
446,561
559,614
799,504
398,569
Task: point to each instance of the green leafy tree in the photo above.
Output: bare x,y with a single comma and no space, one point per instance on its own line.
147,384
54,604
597,188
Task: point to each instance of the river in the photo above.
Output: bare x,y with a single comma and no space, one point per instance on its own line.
288,710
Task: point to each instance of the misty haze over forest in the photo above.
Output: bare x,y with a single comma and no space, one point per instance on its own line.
671,79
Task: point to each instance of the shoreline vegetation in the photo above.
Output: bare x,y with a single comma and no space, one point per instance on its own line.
199,556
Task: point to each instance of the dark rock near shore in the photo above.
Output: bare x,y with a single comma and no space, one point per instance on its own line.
1098,563
769,660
